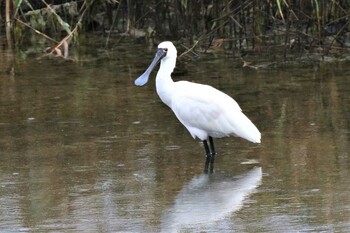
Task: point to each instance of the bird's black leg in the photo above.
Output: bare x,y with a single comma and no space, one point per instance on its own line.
208,156
212,154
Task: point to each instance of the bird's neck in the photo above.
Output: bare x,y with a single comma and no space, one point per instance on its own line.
164,82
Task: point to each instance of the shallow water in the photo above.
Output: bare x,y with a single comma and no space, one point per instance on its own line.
84,150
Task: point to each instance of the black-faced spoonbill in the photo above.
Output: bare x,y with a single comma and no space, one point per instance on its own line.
205,111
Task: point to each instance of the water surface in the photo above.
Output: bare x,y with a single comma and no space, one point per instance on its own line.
84,150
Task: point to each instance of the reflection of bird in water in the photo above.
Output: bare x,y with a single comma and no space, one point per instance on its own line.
205,111
208,199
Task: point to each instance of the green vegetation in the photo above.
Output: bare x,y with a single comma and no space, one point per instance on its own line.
269,26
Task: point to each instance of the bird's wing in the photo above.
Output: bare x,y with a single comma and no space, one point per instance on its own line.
204,108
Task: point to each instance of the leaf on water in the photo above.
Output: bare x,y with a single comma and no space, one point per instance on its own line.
216,43
246,63
250,161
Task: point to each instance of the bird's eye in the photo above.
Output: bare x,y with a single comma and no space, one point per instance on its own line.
165,50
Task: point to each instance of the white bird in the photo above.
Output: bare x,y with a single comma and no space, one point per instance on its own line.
205,111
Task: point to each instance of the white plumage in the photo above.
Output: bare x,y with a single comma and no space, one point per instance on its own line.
205,111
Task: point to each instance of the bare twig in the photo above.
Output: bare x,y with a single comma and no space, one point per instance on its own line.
36,31
189,49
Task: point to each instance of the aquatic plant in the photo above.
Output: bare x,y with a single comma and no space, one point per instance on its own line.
243,25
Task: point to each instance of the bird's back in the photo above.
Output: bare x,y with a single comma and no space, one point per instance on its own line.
206,111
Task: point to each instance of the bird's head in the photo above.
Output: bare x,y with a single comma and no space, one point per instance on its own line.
165,51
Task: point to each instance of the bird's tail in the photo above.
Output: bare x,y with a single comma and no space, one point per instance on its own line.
247,130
